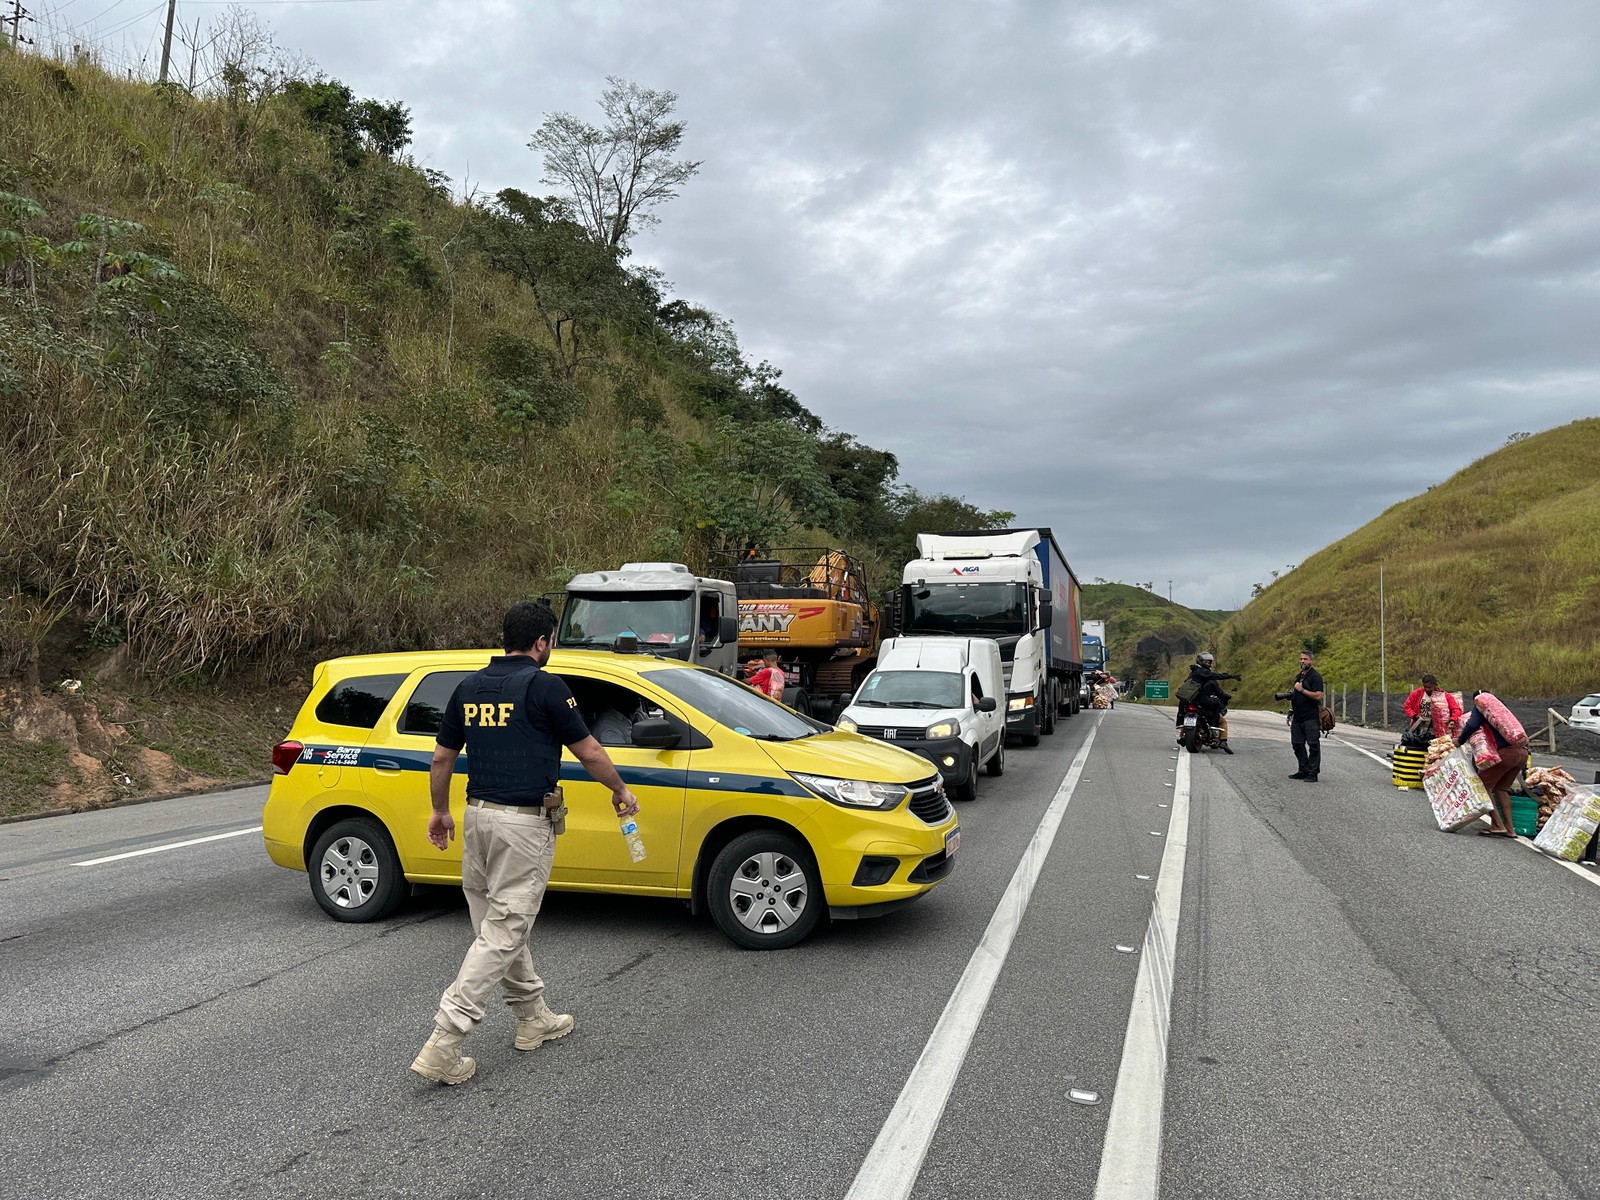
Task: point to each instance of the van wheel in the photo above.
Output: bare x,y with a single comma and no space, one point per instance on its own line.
355,873
996,766
764,891
967,789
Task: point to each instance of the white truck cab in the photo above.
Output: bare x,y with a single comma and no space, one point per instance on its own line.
939,697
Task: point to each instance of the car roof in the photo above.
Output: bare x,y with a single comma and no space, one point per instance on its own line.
406,661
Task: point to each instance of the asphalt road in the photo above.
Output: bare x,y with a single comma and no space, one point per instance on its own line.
1360,1006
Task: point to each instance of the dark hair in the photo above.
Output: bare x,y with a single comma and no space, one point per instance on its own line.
526,622
1427,679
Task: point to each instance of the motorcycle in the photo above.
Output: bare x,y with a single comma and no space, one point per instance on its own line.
1194,724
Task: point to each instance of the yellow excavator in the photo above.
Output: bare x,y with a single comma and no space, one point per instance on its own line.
812,606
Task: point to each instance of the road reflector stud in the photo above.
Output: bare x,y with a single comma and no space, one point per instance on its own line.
1125,949
1083,1096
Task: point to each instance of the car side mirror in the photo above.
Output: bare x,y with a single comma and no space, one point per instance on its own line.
656,733
727,630
988,704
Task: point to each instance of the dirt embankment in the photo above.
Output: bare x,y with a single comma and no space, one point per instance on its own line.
79,745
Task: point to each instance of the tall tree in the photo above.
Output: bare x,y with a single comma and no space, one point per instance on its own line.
613,176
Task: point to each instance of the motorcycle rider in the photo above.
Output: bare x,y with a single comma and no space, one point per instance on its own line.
1211,697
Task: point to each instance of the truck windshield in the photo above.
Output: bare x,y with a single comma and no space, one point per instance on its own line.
912,689
654,618
989,609
739,708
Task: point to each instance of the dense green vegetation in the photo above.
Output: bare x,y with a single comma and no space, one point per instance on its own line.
1150,637
1491,579
271,392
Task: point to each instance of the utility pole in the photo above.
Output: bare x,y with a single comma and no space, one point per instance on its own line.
166,42
17,17
1169,591
1383,661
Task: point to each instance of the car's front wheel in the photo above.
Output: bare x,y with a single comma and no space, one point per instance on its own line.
764,890
996,765
355,872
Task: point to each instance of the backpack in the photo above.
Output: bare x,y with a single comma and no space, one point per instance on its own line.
1325,720
1189,689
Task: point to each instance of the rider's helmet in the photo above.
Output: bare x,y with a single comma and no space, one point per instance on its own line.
1206,659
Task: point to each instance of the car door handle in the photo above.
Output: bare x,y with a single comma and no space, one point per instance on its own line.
385,764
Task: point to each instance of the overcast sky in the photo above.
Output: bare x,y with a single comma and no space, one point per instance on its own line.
1201,284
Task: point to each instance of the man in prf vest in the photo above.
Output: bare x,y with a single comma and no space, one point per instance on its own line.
513,718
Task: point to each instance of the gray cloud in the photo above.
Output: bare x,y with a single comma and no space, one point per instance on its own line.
1202,285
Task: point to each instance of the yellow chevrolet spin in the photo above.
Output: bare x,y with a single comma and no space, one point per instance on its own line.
746,807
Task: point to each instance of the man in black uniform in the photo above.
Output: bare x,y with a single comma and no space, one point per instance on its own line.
1305,720
513,719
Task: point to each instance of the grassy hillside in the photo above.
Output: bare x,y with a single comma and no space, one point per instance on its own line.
1149,635
1491,580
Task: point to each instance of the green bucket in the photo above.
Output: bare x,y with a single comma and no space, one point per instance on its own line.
1525,815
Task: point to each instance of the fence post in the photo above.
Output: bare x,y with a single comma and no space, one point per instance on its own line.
1554,717
1363,704
1344,705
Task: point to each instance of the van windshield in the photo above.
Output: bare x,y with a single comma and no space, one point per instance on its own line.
742,709
912,689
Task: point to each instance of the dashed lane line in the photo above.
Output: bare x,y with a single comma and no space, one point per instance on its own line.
1130,1158
890,1170
215,837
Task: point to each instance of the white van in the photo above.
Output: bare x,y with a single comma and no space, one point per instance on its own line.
939,697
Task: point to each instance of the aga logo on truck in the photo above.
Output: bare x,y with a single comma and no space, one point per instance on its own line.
964,570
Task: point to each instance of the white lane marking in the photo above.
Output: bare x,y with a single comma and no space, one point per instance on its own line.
890,1169
1581,872
215,837
1375,758
1130,1159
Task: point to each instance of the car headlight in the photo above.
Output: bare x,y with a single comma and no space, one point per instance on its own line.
943,729
846,724
1018,703
855,793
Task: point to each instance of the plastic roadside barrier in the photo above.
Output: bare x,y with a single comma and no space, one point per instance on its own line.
1455,791
1567,832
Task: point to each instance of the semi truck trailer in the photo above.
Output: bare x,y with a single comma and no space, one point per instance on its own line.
1012,585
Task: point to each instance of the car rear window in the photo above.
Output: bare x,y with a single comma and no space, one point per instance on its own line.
360,701
424,711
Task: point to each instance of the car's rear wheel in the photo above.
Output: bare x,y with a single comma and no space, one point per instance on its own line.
355,872
996,766
764,890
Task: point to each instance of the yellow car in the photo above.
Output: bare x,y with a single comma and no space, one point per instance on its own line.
746,808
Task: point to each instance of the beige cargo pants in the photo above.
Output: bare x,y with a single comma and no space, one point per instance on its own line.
505,864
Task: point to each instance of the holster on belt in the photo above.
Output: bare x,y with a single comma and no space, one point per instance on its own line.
555,807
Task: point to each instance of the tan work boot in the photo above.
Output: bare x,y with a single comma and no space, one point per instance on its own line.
536,1025
441,1059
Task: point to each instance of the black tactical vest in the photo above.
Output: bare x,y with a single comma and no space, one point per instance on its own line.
508,760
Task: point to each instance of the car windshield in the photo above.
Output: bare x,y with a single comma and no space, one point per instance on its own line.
912,689
654,618
995,609
739,708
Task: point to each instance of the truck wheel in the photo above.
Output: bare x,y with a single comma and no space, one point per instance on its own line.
996,766
1030,730
1051,700
798,699
764,891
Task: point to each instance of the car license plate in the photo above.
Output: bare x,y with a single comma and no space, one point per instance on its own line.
1190,722
952,842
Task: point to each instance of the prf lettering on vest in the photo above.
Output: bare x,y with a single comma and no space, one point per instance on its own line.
483,715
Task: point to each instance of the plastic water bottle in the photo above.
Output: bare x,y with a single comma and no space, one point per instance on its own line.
630,834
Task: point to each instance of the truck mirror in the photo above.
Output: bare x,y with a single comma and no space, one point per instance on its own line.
988,704
656,733
1045,613
728,630
844,701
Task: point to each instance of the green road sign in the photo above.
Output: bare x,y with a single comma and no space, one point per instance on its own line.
1155,689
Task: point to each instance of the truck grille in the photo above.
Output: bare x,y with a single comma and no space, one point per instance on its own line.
928,801
892,733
